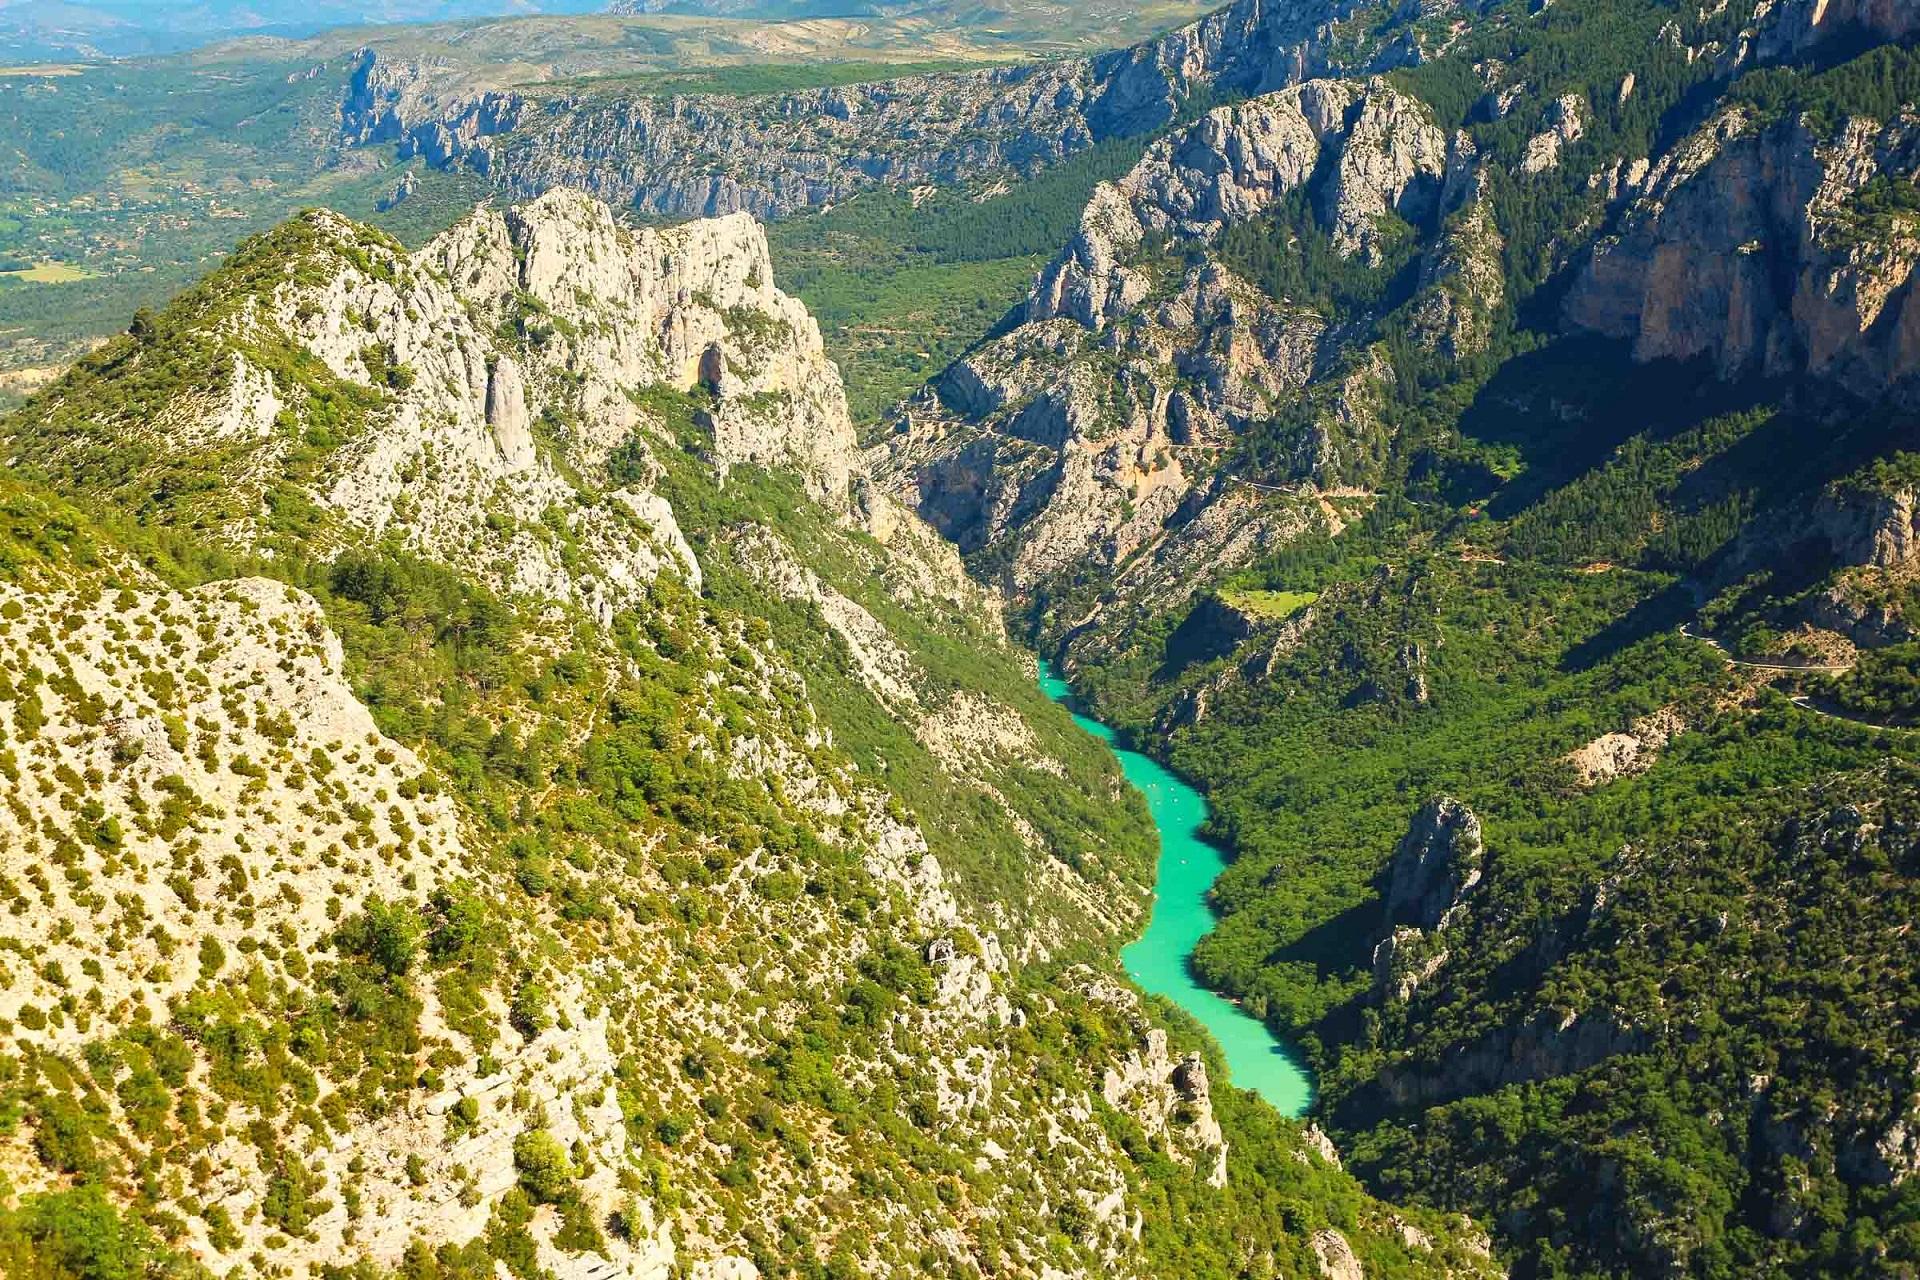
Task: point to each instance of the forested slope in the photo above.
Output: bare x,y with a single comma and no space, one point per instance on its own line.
1492,482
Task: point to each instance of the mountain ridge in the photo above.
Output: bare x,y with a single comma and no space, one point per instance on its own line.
617,886
573,805
666,166
1382,480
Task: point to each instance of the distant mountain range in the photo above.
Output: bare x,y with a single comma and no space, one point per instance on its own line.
33,31
766,10
57,30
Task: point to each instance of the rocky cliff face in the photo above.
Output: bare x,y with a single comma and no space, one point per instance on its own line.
451,431
1382,151
706,155
1091,440
696,309
427,108
1099,434
1785,31
1435,866
1857,537
530,952
713,154
1747,243
1169,1098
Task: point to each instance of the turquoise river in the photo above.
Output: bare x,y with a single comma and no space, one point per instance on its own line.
1160,960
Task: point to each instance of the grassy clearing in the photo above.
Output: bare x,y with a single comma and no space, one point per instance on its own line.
48,272
1269,604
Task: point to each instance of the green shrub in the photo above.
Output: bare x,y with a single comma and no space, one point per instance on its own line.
63,1137
546,1174
77,1235
386,934
531,1012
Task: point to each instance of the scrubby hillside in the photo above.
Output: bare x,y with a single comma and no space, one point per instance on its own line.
492,783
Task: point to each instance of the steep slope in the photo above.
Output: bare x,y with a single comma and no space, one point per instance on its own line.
1765,246
1678,1113
1377,453
1103,431
775,153
1211,367
712,153
492,784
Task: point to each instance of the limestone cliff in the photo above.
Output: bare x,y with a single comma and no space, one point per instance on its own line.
1104,430
712,154
1747,244
498,895
461,449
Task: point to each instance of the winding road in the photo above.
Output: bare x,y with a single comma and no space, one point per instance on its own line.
1806,702
1816,668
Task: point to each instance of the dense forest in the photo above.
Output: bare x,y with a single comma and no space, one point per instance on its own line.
1547,516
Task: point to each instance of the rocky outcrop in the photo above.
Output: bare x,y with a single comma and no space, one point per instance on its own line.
1862,536
1320,1144
1386,155
1436,867
1091,434
1566,125
1746,245
1542,1046
1170,1100
518,349
1382,151
1259,655
1335,1257
507,415
245,409
1462,285
1875,528
1886,1154
1404,961
693,306
1789,29
1213,629
1627,752
1437,864
427,109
